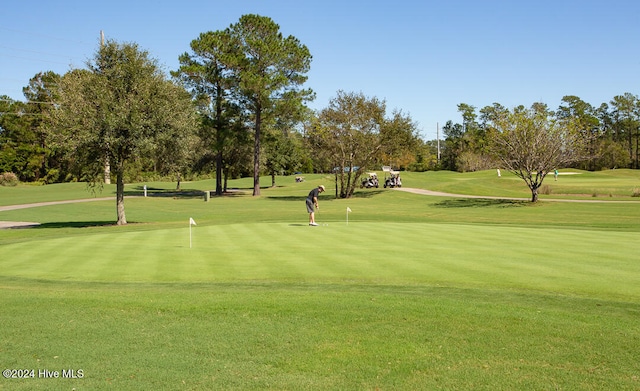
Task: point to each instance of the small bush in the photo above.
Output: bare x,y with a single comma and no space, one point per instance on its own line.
635,192
8,179
545,189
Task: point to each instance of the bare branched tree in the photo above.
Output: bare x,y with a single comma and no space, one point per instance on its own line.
530,143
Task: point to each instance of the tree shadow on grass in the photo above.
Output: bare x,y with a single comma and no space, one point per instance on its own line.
327,197
481,203
288,198
367,193
138,191
76,224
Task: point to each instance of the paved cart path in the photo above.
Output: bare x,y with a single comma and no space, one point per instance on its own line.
26,224
441,194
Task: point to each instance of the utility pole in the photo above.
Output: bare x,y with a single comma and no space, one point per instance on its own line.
107,165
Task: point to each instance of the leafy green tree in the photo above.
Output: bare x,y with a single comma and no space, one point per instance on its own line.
13,129
400,141
626,114
612,153
426,157
351,134
580,117
315,138
283,152
211,82
465,145
23,148
489,114
121,107
452,146
42,95
21,151
268,68
469,117
473,154
349,130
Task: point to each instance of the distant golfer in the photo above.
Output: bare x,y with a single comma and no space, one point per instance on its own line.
312,201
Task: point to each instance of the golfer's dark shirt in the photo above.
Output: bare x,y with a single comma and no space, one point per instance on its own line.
313,193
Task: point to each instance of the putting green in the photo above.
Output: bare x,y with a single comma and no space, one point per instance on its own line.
566,261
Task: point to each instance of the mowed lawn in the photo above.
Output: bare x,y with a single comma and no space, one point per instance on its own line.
578,262
415,292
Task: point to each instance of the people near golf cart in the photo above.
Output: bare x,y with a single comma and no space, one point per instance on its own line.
394,180
312,204
370,181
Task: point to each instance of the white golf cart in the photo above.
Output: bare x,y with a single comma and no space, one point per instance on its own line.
391,177
371,180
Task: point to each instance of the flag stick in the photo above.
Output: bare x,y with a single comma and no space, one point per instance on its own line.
191,222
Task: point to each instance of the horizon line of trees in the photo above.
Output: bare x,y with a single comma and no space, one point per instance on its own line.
613,131
610,134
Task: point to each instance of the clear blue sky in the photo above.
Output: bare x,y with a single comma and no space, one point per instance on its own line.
423,57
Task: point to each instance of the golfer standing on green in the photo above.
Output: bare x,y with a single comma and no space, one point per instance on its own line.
312,201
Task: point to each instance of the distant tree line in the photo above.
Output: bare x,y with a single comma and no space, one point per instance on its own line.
609,134
290,141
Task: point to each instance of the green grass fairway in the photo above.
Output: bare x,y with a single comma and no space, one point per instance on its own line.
416,292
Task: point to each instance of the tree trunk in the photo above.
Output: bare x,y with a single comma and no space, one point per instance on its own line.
256,155
219,173
122,219
107,171
534,194
219,139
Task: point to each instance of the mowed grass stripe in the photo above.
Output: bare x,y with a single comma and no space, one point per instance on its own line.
238,253
572,261
42,258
